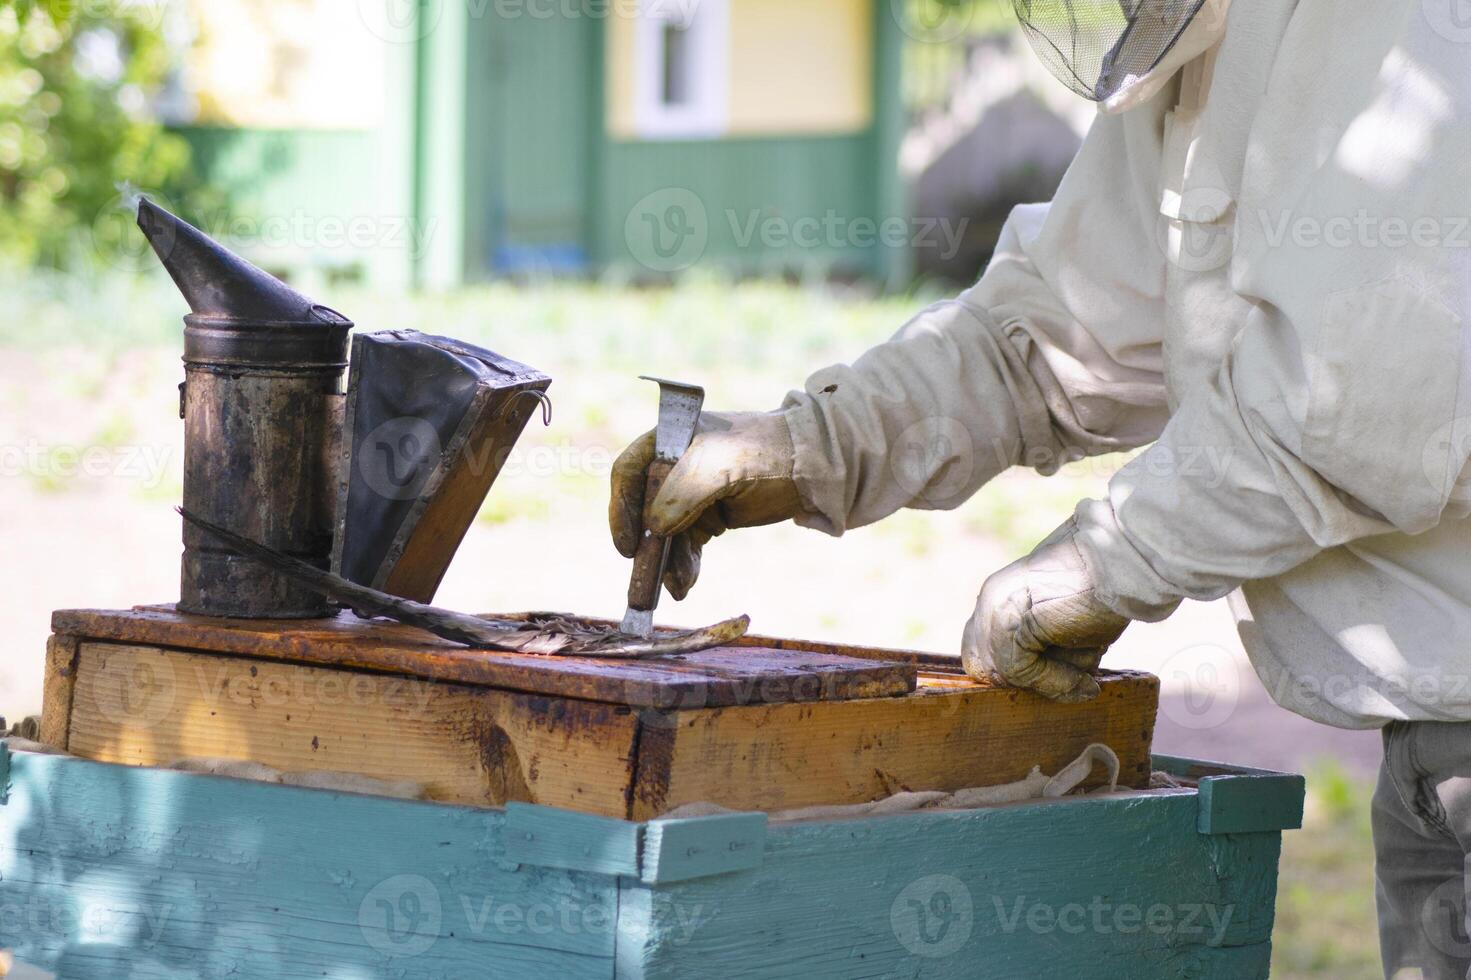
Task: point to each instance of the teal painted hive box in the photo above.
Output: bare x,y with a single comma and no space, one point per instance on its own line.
124,873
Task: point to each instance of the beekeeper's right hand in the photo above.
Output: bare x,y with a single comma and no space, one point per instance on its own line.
736,473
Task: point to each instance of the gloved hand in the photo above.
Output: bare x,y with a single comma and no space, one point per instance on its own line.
736,473
1039,623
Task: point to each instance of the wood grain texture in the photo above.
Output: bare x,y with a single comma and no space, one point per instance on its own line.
551,838
147,873
1236,799
56,695
1251,803
935,662
145,705
713,677
151,706
1119,888
677,850
953,735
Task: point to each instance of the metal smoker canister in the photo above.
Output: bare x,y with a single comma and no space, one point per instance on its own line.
262,404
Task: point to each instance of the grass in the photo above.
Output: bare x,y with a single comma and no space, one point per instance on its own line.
1326,926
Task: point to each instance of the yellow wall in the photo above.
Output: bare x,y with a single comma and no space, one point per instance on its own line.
796,67
618,56
800,66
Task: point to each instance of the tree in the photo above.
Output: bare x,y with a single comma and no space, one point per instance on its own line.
78,83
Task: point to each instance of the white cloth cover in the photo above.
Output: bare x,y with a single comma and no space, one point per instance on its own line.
1264,270
337,782
1034,786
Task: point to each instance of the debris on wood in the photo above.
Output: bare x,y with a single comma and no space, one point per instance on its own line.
548,635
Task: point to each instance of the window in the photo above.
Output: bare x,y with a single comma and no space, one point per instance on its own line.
682,49
676,56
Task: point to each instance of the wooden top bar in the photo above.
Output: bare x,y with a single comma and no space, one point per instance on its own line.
722,676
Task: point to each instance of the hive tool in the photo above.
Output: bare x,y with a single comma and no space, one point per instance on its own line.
679,414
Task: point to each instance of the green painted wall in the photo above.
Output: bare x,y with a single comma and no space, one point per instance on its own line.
759,204
494,159
531,121
271,169
545,186
307,203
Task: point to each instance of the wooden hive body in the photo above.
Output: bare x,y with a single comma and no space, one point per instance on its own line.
768,724
115,871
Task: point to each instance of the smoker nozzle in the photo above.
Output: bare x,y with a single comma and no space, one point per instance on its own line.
216,282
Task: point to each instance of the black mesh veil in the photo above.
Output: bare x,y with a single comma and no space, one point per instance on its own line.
1096,46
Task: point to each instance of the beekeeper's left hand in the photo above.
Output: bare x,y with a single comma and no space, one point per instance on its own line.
1039,623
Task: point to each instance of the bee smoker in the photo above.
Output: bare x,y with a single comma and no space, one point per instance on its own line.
262,404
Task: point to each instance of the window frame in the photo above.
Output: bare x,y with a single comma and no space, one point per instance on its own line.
706,113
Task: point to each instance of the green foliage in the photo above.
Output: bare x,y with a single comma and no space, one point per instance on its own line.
58,10
76,81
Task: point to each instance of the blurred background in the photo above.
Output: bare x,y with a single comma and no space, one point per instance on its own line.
734,192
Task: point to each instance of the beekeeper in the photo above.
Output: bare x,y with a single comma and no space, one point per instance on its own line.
1260,263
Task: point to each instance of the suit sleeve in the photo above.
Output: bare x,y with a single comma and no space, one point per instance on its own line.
1054,354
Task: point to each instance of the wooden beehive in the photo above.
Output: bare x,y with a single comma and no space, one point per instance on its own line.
766,724
192,876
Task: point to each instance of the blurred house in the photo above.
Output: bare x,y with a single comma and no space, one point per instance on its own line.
443,141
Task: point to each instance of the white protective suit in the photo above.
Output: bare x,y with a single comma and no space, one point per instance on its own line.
1262,268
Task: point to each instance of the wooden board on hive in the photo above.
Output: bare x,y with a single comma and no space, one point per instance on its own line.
951,734
710,677
745,727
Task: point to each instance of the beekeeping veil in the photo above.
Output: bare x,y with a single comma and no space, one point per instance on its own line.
1119,53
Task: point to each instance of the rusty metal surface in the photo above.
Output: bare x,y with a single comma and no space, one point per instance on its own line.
258,457
722,676
262,408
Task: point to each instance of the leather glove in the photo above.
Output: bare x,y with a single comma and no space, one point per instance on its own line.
1039,623
736,473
